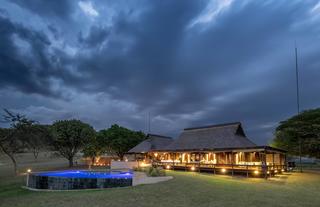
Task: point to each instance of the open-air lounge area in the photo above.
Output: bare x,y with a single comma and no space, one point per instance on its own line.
218,149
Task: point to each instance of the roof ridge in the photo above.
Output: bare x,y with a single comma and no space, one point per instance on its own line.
157,135
212,126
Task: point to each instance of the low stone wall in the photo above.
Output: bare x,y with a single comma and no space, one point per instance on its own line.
124,165
62,183
128,165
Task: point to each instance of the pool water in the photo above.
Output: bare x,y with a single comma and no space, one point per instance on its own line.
86,174
79,179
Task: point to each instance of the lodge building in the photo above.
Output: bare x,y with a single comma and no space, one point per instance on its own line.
222,148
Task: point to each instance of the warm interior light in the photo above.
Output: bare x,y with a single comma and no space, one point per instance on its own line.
223,170
268,172
256,172
126,160
282,170
155,154
193,168
29,170
168,167
275,171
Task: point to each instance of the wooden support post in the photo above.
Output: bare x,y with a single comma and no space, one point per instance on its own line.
232,163
264,165
214,169
247,171
199,162
280,159
273,160
232,169
285,162
174,158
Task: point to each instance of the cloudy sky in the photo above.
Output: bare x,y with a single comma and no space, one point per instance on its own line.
187,63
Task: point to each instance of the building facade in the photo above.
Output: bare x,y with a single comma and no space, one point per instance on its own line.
222,148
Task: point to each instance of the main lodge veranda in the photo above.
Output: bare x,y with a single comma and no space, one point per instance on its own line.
217,149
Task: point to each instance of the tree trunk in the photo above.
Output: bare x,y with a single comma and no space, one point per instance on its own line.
70,161
35,153
11,156
14,164
92,162
120,155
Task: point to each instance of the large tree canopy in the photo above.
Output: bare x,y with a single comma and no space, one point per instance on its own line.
12,139
304,128
94,147
37,137
69,136
120,139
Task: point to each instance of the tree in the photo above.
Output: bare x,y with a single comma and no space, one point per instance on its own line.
120,140
69,136
301,129
37,138
94,147
11,139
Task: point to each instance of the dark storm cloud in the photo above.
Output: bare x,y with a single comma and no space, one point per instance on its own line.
149,47
52,8
25,61
96,36
188,64
14,71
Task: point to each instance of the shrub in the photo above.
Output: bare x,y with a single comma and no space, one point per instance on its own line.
155,172
151,171
140,169
161,171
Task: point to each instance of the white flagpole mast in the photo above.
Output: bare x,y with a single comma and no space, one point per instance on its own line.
298,102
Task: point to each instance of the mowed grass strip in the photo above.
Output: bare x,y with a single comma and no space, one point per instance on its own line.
186,189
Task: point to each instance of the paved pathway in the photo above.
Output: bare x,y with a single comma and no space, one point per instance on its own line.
140,178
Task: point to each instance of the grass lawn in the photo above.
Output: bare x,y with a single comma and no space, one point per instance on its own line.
186,189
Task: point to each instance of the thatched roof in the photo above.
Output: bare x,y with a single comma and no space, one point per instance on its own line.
214,137
153,142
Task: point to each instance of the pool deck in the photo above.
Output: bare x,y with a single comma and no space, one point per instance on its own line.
140,178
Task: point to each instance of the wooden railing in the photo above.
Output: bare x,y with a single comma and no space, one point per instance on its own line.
224,168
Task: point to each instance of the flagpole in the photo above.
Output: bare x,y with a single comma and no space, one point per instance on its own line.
298,103
149,123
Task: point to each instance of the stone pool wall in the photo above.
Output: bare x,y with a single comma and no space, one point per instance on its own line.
61,183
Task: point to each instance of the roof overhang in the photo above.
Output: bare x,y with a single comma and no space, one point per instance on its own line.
242,149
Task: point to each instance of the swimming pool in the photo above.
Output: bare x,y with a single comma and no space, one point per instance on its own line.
79,179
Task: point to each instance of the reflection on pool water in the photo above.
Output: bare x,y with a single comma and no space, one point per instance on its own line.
79,179
86,174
